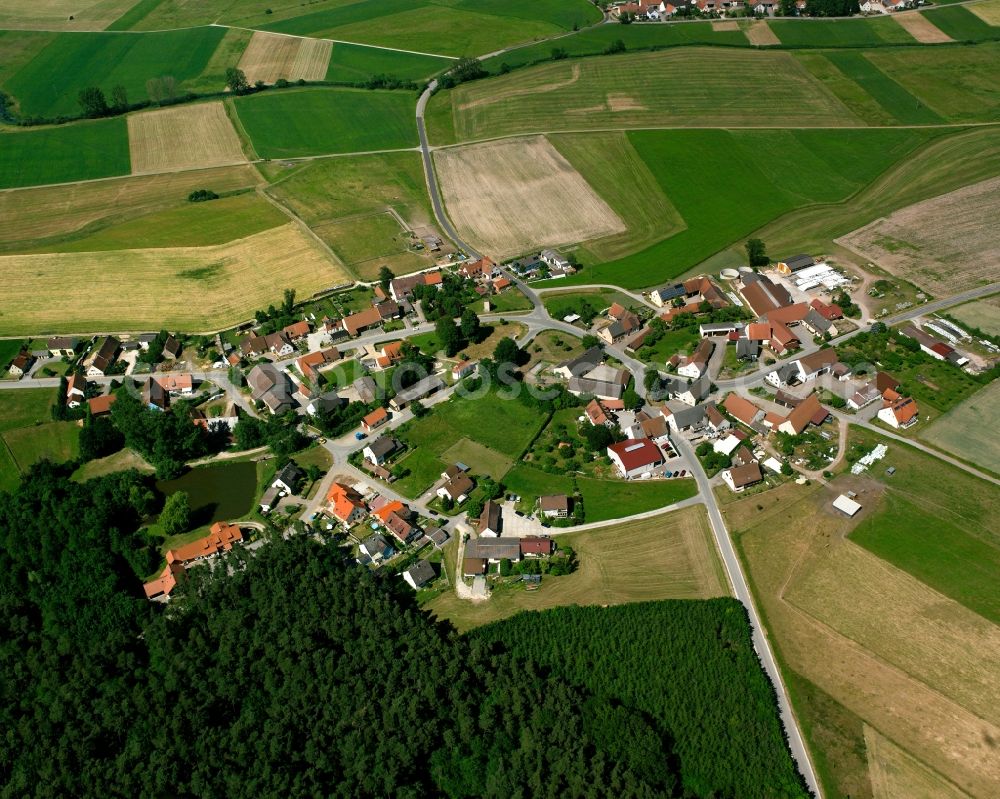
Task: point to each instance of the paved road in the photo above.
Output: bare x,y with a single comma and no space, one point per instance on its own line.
431,177
741,590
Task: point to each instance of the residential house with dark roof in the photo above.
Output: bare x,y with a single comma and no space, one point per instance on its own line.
494,550
457,489
62,346
739,478
419,574
380,449
272,386
490,520
581,364
795,264
418,391
103,356
697,364
695,391
554,506
377,548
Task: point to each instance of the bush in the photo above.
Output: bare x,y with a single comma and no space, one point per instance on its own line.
202,195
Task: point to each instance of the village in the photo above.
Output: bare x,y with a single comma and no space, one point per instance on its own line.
759,390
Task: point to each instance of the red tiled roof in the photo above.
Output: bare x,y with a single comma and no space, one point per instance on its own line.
344,500
220,538
99,405
636,453
375,418
741,408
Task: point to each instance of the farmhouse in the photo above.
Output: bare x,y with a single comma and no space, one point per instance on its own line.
355,323
100,360
380,449
704,290
101,406
418,391
602,381
271,385
483,270
419,574
716,421
21,364
171,576
456,488
220,538
554,506
579,366
761,295
819,324
815,364
655,428
666,295
401,288
311,363
279,344
62,346
490,520
635,457
598,414
535,546
463,369
743,410
345,504
494,550
685,418
697,364
831,311
807,412
900,413
374,420
739,478
784,375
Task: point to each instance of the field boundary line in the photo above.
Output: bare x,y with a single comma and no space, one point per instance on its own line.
324,39
301,223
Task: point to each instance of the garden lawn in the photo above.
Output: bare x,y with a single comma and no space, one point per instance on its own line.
353,63
287,124
49,84
616,499
83,151
763,175
504,425
54,441
422,469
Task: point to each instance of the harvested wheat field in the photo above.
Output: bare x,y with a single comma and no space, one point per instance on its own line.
510,196
988,12
188,288
271,56
30,218
921,28
188,137
896,775
62,15
941,258
759,32
725,25
865,634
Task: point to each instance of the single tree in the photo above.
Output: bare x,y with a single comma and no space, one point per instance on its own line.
506,351
289,301
448,335
92,101
652,380
236,81
385,277
471,329
419,409
176,514
756,253
631,400
119,98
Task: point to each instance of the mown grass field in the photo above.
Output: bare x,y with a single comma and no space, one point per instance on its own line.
952,546
962,25
902,105
351,63
84,151
763,175
287,124
864,643
983,314
188,225
856,32
93,15
667,557
422,469
187,288
452,27
628,91
17,48
48,85
367,243
36,217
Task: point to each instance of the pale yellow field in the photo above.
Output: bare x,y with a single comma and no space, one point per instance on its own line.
29,217
921,28
187,137
960,430
896,775
188,288
759,32
725,25
988,11
984,314
808,578
941,258
88,15
271,56
513,195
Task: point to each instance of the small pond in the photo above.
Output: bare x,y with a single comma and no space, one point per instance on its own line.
219,492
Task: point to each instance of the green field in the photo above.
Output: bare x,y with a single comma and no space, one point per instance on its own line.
616,499
480,459
367,243
446,27
564,303
952,546
960,430
613,168
596,40
49,84
188,225
17,48
959,83
288,124
422,470
351,63
761,176
962,25
840,32
27,433
83,151
902,105
629,91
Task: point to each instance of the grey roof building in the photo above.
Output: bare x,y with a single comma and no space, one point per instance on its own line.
419,574
494,549
417,391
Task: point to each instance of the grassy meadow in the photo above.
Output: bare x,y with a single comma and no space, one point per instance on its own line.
84,151
291,124
350,63
895,99
48,85
671,556
28,434
962,25
857,32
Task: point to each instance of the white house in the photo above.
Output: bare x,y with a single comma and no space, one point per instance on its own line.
901,413
636,457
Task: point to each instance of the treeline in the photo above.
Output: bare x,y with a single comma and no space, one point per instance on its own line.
297,674
688,667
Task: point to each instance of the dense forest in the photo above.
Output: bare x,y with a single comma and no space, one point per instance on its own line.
300,674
